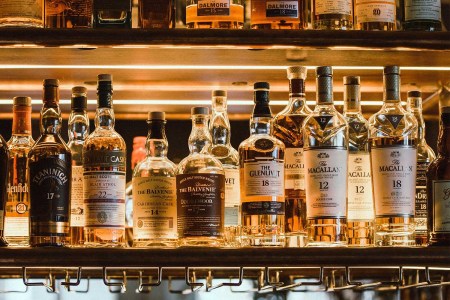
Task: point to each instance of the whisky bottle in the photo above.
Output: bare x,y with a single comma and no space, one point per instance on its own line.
221,148
22,13
68,13
49,162
104,172
261,162
222,14
269,14
375,15
111,14
78,130
154,191
425,155
156,14
4,155
393,154
17,211
422,15
325,146
360,211
287,127
332,14
200,184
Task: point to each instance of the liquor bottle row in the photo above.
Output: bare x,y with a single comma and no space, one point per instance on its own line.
264,14
304,177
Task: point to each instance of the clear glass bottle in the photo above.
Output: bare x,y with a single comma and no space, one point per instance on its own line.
361,210
111,14
22,13
200,183
332,14
261,164
217,14
17,211
393,154
221,148
156,13
154,186
422,15
78,130
268,14
325,146
376,15
287,127
4,155
49,162
425,155
104,164
68,13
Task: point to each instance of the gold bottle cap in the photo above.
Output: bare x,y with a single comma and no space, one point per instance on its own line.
22,101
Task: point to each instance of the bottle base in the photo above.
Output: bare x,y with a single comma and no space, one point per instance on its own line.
155,243
277,25
21,22
296,240
18,241
48,241
263,241
201,242
215,25
231,236
394,232
76,237
360,233
109,238
327,232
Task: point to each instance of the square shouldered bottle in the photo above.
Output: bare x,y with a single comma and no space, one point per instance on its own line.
68,13
332,14
111,14
215,14
376,15
22,13
279,14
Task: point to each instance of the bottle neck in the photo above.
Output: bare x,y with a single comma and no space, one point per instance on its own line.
104,118
260,125
50,120
297,93
78,126
324,94
156,144
199,138
444,133
21,120
219,126
352,99
391,88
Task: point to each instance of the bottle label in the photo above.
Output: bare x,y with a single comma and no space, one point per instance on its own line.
360,196
394,173
200,204
375,11
326,183
104,158
213,8
264,178
323,7
422,10
294,169
441,205
232,197
77,200
282,9
56,7
421,213
16,226
263,208
21,9
323,120
50,181
154,207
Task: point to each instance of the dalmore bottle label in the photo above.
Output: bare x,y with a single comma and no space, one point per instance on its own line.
76,198
441,206
375,11
294,169
282,9
213,8
360,198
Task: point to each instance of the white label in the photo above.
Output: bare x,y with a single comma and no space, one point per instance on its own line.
21,8
360,196
154,207
441,205
232,197
264,178
104,199
282,9
375,11
16,226
294,169
77,198
422,10
326,183
333,7
394,181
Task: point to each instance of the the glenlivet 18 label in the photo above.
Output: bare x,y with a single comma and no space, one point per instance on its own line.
264,178
213,8
441,206
281,8
360,197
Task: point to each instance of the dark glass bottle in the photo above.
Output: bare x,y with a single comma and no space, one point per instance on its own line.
422,15
112,14
4,154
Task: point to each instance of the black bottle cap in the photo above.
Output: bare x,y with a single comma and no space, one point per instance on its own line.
414,94
79,99
324,71
219,93
51,82
351,80
200,110
261,85
104,90
391,70
156,115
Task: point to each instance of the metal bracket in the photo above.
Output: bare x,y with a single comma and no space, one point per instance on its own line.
210,287
143,285
123,284
291,287
67,282
192,282
49,284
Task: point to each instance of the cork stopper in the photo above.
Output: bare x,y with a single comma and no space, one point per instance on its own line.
22,101
324,82
51,92
414,94
105,77
51,82
219,93
200,110
79,90
156,115
296,72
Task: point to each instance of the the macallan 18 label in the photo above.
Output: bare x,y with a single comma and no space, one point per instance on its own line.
213,8
232,197
394,174
77,200
264,178
441,205
333,7
200,204
375,11
294,169
326,183
360,198
155,207
282,8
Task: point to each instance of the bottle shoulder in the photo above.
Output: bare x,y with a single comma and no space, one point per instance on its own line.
258,140
101,139
200,163
152,166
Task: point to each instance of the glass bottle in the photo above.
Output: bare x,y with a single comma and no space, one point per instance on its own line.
425,155
49,162
22,13
200,183
360,211
325,153
221,148
78,130
111,14
393,154
222,14
68,13
17,211
4,155
287,127
104,164
332,14
376,15
261,161
154,198
269,14
156,14
422,15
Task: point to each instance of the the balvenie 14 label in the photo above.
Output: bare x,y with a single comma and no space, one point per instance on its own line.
294,169
282,8
264,178
200,204
360,198
77,198
232,197
213,8
326,183
441,205
104,158
155,207
421,213
394,173
50,181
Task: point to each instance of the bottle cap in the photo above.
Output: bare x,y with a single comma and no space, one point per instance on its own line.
156,115
22,101
351,80
219,93
105,77
296,72
261,85
324,71
79,99
79,90
414,94
51,82
200,110
391,70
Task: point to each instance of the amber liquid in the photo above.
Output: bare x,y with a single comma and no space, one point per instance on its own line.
233,21
260,20
3,182
156,14
331,21
68,13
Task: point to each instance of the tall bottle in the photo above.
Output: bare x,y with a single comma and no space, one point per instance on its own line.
78,130
325,153
218,14
49,162
422,15
425,155
17,211
267,14
376,15
4,156
287,127
393,154
221,148
200,184
332,15
22,13
104,165
360,211
261,162
68,14
154,186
